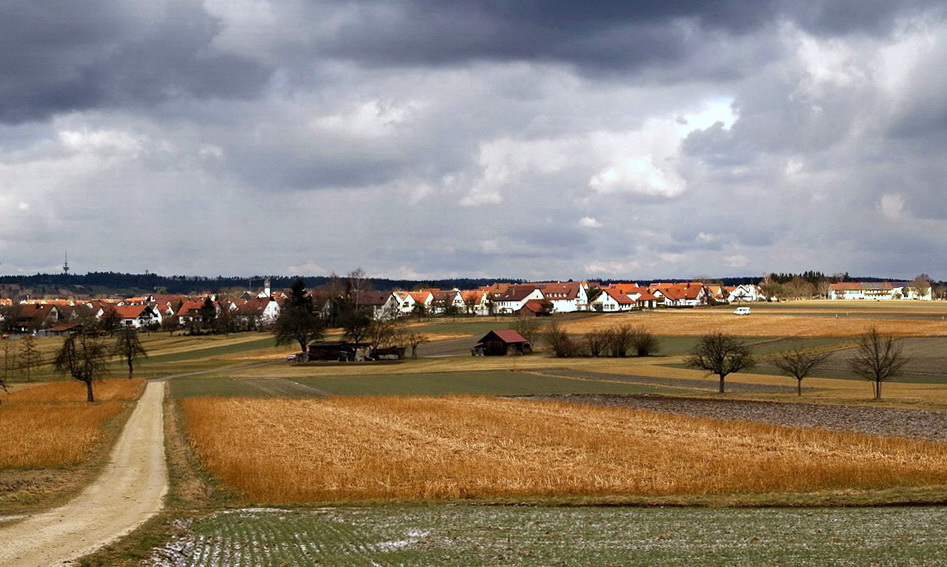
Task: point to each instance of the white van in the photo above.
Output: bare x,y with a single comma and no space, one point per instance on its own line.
742,311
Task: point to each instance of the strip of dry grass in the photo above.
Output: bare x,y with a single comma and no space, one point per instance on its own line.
283,451
763,324
75,391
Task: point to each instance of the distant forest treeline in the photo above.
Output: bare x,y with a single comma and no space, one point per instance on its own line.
121,284
115,283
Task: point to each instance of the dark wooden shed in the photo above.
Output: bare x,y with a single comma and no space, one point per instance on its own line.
502,343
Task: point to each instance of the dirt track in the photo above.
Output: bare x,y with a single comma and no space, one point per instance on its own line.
129,491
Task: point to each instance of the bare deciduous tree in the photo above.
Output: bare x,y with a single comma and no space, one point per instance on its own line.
128,346
644,342
559,341
527,327
878,359
83,357
621,338
799,363
597,342
29,357
721,354
414,340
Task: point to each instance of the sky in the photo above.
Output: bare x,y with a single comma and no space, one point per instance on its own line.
427,139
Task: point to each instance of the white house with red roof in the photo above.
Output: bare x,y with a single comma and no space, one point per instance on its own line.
688,294
744,292
516,297
138,315
610,300
565,297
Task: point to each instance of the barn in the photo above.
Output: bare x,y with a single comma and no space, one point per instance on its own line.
502,343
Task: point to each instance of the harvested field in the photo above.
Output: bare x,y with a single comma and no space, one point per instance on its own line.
75,391
335,449
51,425
923,425
51,436
763,324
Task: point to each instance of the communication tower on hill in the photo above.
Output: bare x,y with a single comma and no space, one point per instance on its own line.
65,264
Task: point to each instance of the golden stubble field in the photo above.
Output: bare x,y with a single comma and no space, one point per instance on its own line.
338,449
51,425
798,322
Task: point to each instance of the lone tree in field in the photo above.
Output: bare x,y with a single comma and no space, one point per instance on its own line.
721,354
128,347
414,340
298,321
878,358
83,357
29,356
799,363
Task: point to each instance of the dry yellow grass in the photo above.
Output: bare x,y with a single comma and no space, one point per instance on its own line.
51,425
75,391
762,324
51,435
283,451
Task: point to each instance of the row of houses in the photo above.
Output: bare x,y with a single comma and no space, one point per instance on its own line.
148,312
257,310
545,298
879,291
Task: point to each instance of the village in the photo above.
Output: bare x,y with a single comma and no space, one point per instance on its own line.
259,309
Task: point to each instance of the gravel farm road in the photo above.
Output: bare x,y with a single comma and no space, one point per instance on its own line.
130,490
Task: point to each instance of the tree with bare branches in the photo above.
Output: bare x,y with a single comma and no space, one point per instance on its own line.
721,354
29,357
84,357
128,346
414,340
878,359
799,363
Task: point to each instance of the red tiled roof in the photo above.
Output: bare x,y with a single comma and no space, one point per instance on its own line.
507,336
618,296
517,292
129,311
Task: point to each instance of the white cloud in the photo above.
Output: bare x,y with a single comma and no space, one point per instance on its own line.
736,261
641,176
892,206
589,222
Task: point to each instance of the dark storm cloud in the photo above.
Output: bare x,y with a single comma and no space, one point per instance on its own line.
62,55
596,36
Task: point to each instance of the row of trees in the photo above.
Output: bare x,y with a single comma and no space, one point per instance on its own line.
84,356
617,342
878,358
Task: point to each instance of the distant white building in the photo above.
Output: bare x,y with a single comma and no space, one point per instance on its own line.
878,291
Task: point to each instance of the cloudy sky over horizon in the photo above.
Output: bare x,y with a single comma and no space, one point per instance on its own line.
493,138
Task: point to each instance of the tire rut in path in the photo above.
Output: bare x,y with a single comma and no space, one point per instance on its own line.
130,490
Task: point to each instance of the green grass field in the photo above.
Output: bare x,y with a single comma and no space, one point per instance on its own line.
538,536
491,382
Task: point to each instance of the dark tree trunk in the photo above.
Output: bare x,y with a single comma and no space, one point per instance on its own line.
721,383
88,388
